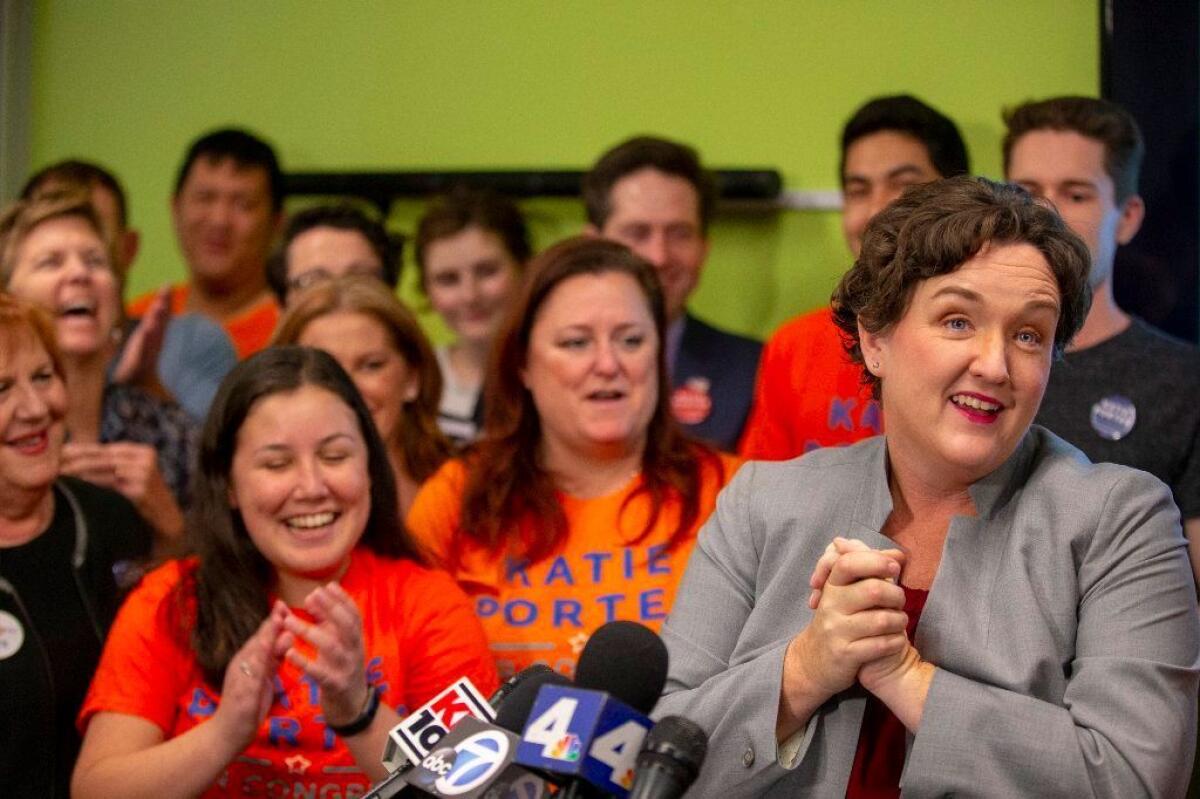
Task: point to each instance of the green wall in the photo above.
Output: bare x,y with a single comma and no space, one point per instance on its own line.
511,84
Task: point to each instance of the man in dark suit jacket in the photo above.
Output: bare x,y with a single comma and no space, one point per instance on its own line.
654,196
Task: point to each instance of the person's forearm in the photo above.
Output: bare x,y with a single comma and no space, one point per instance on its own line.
798,700
183,766
165,517
367,747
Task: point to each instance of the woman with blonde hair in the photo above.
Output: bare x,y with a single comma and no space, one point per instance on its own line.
362,324
55,252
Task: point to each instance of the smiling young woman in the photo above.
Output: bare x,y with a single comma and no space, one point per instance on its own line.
304,624
471,247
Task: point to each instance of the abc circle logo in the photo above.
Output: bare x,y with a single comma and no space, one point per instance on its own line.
438,762
475,760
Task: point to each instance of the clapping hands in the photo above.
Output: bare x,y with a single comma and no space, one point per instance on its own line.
328,649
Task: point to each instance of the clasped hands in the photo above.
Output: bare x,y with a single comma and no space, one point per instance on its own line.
329,650
857,634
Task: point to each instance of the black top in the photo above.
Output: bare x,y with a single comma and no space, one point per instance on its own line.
58,595
1131,399
712,382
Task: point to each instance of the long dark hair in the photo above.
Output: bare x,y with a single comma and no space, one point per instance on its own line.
505,481
232,581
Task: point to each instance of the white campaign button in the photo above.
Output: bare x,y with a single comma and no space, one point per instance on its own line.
12,635
1113,417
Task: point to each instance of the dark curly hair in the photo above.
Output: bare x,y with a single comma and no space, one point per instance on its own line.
933,229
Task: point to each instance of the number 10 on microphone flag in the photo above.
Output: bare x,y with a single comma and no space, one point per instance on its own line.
421,730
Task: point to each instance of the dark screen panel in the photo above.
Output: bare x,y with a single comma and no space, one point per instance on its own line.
1149,64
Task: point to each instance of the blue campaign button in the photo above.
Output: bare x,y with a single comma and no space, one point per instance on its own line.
1113,417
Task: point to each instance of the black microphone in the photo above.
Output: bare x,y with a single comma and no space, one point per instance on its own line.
589,734
475,759
670,759
513,709
627,660
512,703
512,682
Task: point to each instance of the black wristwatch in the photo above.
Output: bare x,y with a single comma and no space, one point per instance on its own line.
364,719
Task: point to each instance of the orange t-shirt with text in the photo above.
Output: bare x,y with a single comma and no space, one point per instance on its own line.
543,612
250,331
419,635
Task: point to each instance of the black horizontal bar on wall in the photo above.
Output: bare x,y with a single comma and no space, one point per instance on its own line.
380,188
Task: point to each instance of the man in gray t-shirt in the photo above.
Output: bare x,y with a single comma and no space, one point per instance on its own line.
1124,392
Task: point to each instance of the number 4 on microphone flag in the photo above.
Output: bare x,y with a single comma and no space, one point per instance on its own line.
585,734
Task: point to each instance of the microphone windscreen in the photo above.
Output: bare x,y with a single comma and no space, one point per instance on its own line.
680,739
626,660
514,709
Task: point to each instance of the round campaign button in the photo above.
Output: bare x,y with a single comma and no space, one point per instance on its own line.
1113,417
691,403
12,635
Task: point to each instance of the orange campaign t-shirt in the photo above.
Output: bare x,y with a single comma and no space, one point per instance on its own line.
808,394
419,635
543,612
250,331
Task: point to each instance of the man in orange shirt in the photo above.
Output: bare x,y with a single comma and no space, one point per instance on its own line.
808,394
226,210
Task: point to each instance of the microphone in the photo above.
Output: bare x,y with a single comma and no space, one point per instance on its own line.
590,733
474,760
513,711
416,735
670,759
626,659
528,673
475,757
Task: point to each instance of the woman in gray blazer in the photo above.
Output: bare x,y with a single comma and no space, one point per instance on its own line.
964,606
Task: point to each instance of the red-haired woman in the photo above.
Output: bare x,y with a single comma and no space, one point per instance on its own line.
581,501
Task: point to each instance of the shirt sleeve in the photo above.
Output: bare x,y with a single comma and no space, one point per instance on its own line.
766,436
446,640
434,516
1186,487
737,703
145,662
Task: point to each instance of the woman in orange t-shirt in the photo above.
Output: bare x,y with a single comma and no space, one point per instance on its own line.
276,659
580,503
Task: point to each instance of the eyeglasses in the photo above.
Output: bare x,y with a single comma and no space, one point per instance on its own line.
319,275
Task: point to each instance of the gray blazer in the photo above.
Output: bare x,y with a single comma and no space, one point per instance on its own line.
1062,621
